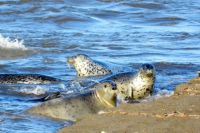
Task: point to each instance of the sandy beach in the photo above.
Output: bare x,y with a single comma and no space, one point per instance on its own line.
179,113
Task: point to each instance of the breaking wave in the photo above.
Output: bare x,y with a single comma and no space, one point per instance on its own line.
8,43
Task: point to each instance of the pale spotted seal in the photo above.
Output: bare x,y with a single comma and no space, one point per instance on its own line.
135,86
27,79
85,66
99,97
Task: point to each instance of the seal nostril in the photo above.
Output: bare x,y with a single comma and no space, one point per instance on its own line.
114,88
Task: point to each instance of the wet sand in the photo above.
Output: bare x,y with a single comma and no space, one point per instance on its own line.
179,113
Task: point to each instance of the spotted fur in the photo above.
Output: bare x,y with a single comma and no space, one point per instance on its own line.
135,86
87,67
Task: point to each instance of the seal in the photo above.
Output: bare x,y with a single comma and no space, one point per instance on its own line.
85,66
27,79
99,96
135,86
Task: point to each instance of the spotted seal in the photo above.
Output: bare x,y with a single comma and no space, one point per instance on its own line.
27,79
135,86
99,97
85,66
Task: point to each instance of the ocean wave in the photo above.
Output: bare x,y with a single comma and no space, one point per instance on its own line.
13,44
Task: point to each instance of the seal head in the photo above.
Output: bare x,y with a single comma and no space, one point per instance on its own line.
106,93
85,66
147,70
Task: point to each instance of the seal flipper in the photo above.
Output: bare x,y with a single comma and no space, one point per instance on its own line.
131,101
48,97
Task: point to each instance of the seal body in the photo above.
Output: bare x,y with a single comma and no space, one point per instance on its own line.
27,79
85,66
135,86
100,96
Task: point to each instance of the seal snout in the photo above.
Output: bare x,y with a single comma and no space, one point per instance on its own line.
111,83
71,60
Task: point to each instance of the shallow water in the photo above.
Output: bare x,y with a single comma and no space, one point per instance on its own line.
37,37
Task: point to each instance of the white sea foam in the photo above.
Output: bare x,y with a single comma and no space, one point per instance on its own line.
160,94
7,43
62,86
164,93
75,85
38,90
69,66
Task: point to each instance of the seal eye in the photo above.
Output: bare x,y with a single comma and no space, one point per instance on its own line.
105,86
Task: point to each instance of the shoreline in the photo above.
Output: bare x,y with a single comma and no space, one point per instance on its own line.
177,113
